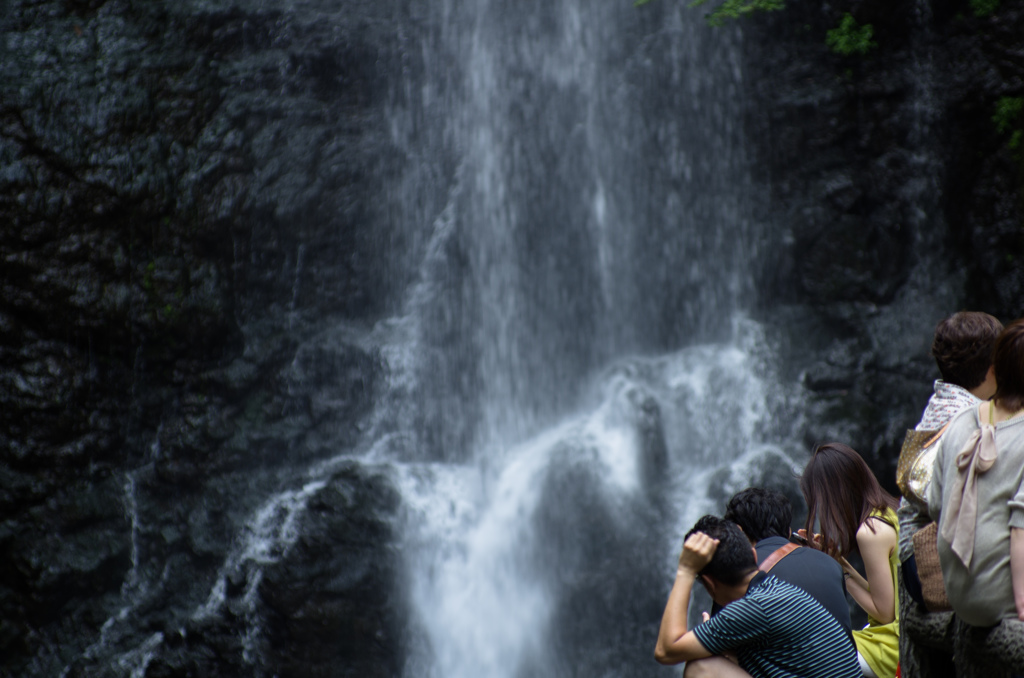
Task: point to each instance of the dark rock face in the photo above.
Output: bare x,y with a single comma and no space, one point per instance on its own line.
333,599
325,607
182,189
901,200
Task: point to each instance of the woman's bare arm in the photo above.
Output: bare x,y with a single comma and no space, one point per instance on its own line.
875,593
1017,568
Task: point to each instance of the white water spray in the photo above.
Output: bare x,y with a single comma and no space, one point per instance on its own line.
484,601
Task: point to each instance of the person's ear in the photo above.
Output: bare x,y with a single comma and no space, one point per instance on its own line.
754,549
709,585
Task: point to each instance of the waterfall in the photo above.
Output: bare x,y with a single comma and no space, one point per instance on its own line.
496,555
598,204
572,372
584,380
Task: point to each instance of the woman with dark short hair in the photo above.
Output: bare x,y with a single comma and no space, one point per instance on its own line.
977,496
854,513
962,348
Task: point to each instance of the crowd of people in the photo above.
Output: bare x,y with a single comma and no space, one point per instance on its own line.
953,541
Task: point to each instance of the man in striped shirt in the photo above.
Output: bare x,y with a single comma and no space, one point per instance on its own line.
766,516
772,628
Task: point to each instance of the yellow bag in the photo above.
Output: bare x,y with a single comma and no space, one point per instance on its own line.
913,475
914,468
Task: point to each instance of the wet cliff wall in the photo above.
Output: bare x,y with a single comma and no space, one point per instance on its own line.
182,194
899,196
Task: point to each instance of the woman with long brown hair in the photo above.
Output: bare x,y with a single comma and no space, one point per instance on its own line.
854,513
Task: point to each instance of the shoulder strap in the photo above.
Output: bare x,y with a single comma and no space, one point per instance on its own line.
777,555
888,516
931,441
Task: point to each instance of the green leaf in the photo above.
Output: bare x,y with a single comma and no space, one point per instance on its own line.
1008,114
984,8
734,9
850,37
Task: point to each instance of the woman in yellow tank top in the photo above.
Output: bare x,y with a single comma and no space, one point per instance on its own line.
854,513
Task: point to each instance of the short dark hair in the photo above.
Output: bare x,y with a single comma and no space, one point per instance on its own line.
1008,360
962,347
761,513
733,559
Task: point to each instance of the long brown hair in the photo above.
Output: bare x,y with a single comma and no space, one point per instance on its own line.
841,492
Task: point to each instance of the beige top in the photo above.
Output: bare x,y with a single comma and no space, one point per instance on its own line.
981,592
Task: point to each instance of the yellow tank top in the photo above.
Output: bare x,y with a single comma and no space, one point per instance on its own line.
879,643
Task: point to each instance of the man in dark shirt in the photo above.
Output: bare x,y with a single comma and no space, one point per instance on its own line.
773,628
766,517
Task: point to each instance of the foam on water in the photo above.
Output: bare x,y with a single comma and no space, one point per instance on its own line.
482,603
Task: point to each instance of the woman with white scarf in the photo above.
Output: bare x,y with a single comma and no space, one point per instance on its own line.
977,496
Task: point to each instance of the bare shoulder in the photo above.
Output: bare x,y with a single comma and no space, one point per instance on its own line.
875,531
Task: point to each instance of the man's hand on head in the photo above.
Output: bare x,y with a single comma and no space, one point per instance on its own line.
698,550
675,642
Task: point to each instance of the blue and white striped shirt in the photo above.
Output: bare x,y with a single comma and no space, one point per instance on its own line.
779,631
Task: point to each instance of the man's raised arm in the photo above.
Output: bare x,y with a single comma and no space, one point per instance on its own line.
675,643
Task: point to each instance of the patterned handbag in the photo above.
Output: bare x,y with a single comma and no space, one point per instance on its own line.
914,468
913,475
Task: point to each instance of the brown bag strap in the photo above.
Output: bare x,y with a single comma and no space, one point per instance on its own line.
931,441
777,555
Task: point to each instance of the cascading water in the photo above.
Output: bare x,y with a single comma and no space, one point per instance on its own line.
600,205
572,377
499,557
575,347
